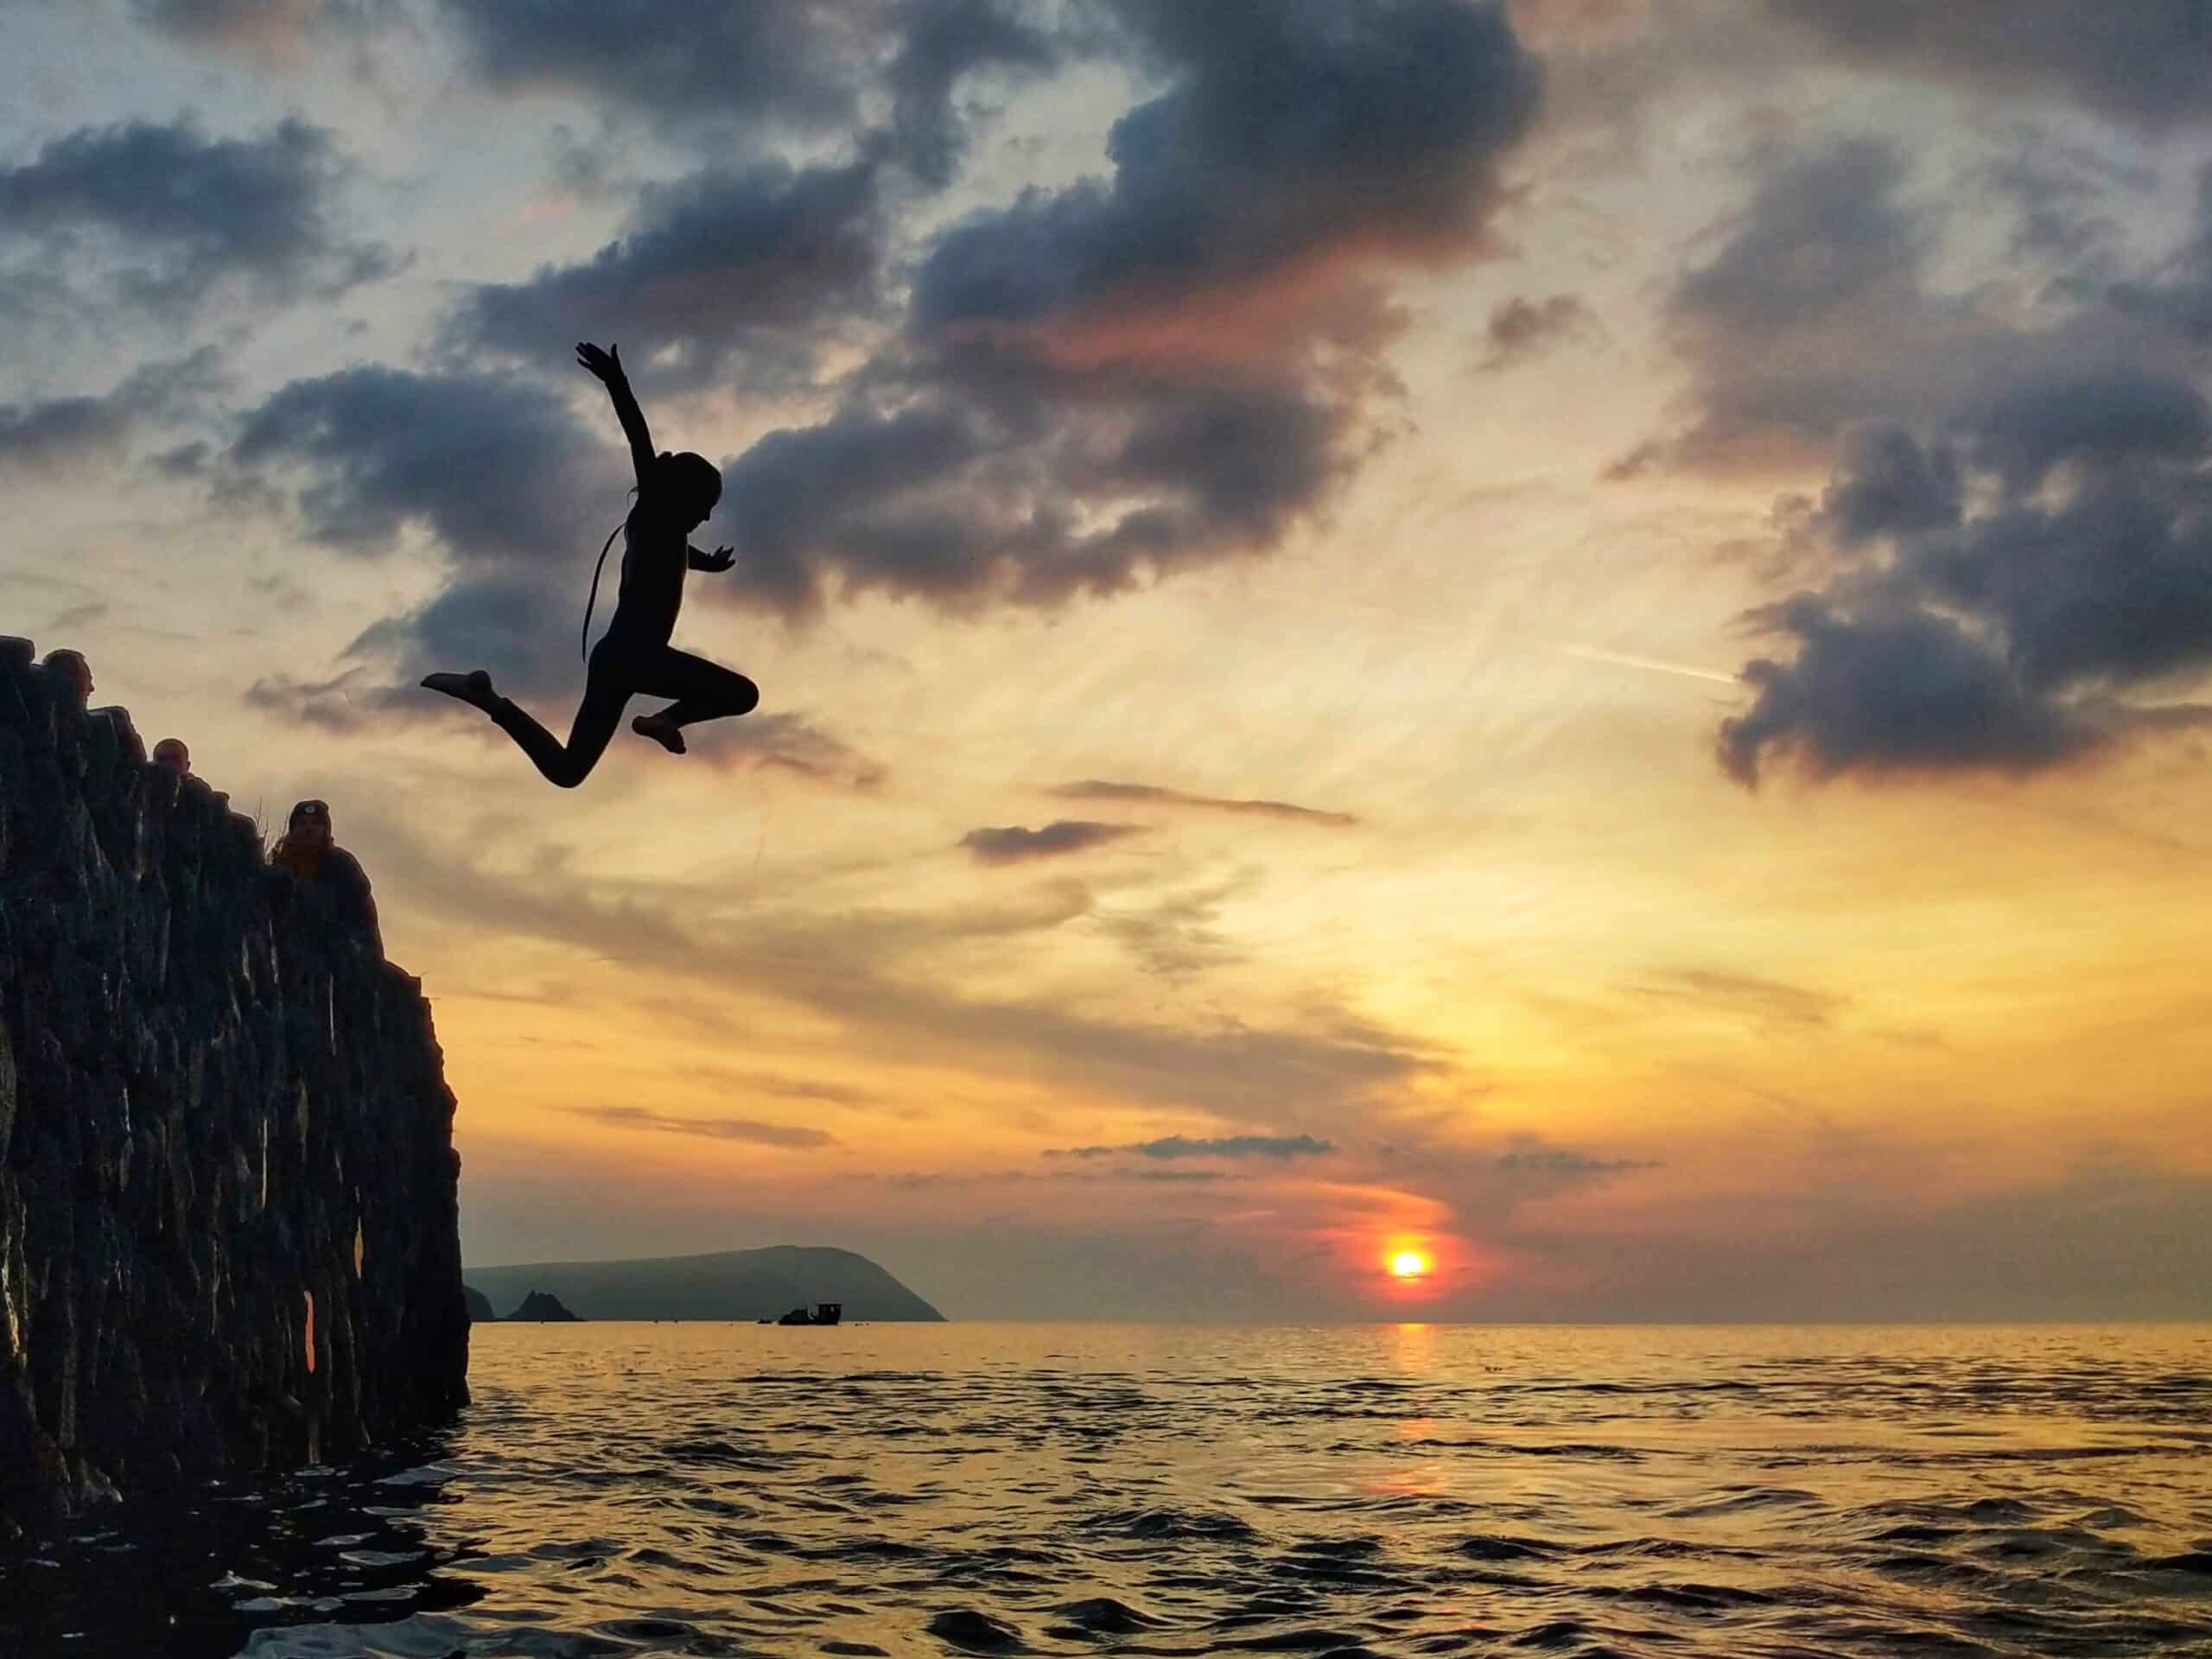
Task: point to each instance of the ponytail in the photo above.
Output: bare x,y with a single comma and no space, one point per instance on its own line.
583,639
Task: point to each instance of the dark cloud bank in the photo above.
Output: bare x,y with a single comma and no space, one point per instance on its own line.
2145,61
1084,391
2016,540
161,216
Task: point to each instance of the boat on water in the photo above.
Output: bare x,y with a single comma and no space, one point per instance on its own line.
820,1314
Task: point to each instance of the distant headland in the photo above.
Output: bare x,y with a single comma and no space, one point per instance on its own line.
540,1308
761,1284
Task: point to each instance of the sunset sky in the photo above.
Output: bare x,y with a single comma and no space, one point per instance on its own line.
1571,637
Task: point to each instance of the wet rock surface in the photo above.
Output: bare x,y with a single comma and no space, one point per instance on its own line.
228,1223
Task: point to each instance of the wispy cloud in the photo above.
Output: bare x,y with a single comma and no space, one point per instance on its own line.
749,1130
1520,329
1234,1146
1013,844
1564,1161
1765,999
1095,789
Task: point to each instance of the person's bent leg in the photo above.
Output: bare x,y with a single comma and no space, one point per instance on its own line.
597,716
702,689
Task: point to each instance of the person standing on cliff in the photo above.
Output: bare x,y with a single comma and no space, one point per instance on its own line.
310,852
70,668
170,752
675,494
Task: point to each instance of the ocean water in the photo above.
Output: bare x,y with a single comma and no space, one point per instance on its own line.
621,1490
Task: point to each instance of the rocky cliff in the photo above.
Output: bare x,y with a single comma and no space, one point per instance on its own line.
228,1221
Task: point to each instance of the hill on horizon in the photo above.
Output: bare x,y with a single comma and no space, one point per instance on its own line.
759,1284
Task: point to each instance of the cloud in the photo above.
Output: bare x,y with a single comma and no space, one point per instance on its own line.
2179,296
1175,938
788,742
1014,844
162,217
504,625
2146,62
51,434
1093,789
722,275
1234,1145
1565,1161
1522,329
498,466
1029,491
750,70
1368,124
946,41
777,66
2002,588
1824,308
2011,558
501,470
1064,409
269,27
870,974
1768,1000
349,701
1101,386
748,1130
771,1082
1812,314
498,469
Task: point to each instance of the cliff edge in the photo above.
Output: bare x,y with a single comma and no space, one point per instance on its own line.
229,1232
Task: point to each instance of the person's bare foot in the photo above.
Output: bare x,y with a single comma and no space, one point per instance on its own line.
663,731
474,688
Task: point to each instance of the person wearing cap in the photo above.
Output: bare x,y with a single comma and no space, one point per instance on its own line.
308,850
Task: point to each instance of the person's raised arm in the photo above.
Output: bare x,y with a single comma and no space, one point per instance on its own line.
608,365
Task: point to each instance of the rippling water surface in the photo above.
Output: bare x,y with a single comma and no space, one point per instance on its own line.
715,1489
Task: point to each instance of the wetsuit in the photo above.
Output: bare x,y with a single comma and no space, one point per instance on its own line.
634,658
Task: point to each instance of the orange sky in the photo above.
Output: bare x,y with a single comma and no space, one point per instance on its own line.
1424,915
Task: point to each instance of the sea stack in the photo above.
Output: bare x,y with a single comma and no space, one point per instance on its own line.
541,1308
229,1234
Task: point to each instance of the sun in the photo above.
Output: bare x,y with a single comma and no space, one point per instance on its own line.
1409,1264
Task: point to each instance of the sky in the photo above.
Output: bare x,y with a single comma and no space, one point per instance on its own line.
1571,637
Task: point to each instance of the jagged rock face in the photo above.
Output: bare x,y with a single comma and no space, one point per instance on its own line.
229,1230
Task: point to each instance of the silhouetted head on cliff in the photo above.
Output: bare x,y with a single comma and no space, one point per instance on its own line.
72,670
309,828
171,752
311,851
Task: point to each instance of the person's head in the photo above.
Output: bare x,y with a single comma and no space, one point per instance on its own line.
171,752
310,825
73,670
686,486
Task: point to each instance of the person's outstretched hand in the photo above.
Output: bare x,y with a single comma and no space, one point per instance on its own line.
607,365
721,559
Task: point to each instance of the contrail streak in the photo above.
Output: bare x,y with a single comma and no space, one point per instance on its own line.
1593,653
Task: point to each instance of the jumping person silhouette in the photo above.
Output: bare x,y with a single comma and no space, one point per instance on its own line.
675,495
